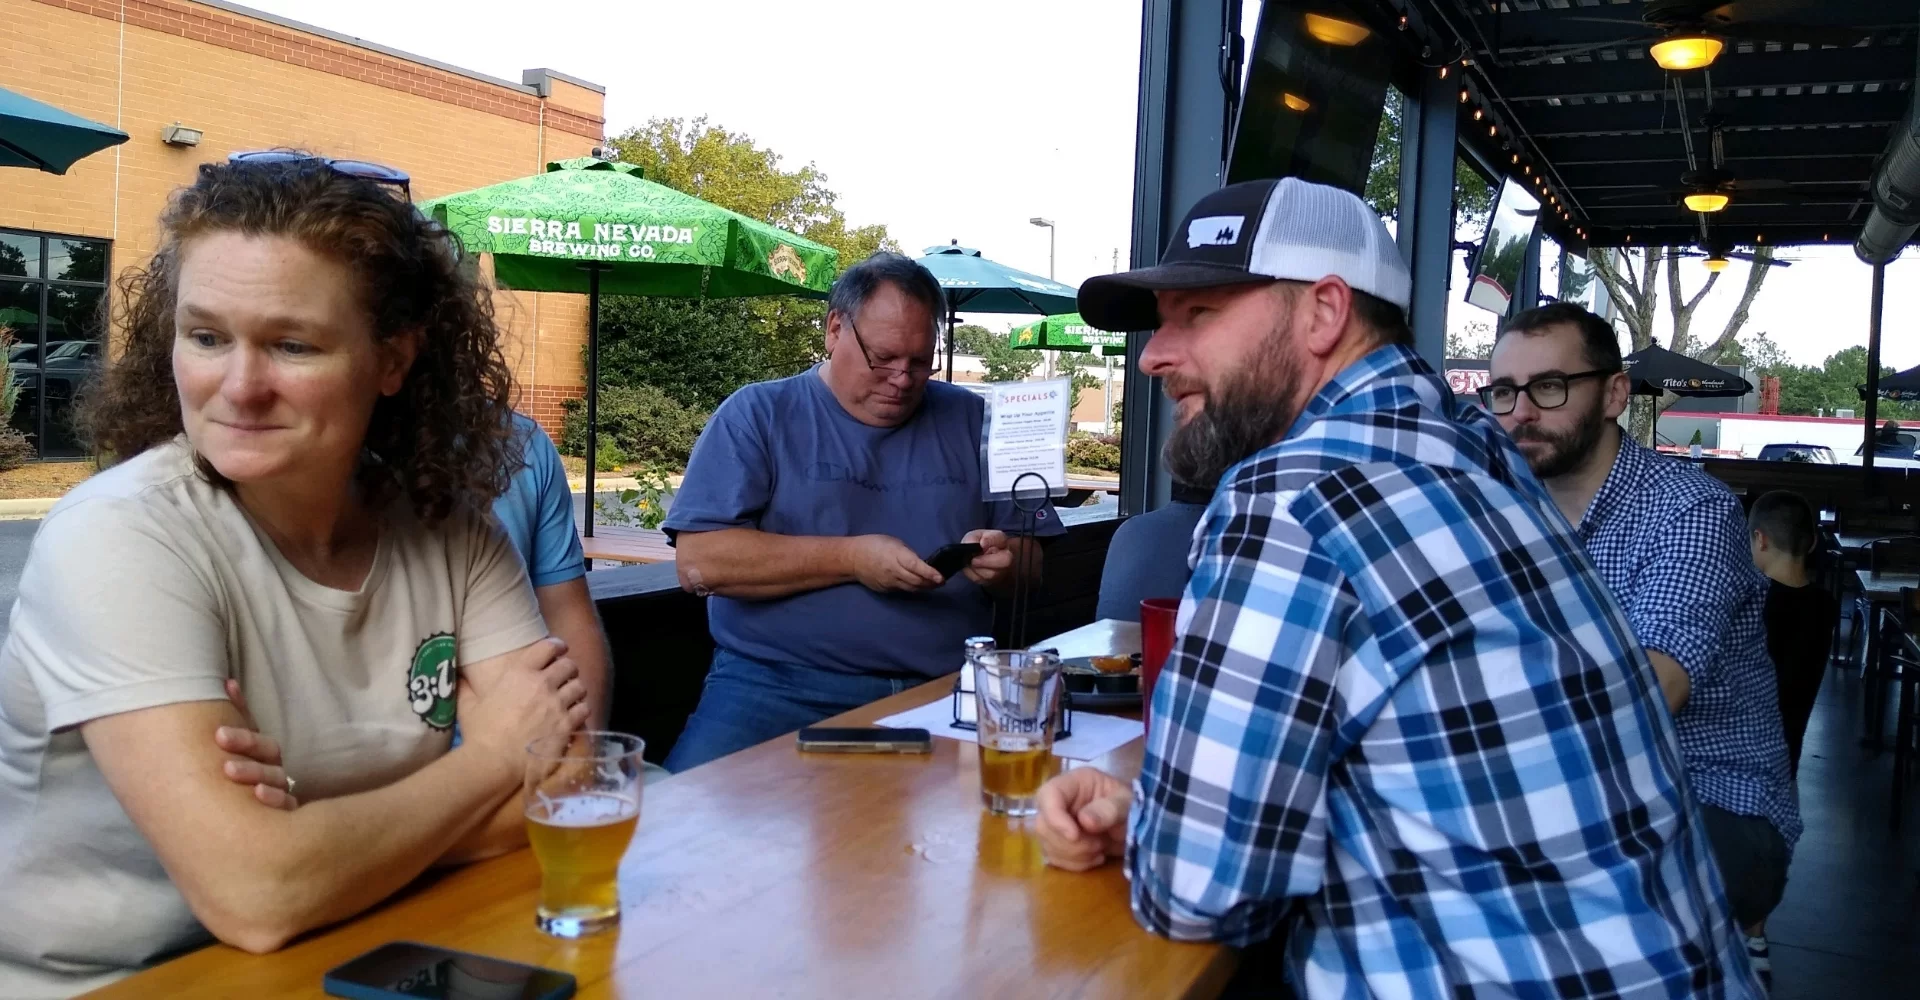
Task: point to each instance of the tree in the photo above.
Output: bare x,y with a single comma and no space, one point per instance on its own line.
1472,195
1074,366
1005,363
972,339
699,351
1636,293
1475,343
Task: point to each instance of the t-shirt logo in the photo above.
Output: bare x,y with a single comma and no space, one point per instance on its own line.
430,681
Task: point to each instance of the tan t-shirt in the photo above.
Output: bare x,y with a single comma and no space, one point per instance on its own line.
148,586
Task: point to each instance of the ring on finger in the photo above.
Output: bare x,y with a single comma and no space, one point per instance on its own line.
289,780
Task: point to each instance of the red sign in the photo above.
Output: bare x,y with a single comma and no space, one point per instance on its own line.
1464,381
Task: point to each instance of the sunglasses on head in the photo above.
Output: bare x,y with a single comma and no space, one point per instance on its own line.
376,172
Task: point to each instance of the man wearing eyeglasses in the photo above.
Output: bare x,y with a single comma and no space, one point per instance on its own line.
1671,542
809,508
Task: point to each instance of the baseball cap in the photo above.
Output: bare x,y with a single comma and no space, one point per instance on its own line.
1252,233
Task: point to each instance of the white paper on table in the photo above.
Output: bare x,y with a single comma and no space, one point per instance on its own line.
1093,735
1026,432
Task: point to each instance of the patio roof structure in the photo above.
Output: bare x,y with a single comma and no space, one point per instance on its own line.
1801,120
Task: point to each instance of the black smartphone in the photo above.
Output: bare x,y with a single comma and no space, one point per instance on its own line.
951,559
869,739
406,970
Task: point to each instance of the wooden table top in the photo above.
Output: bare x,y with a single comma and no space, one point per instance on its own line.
776,873
1886,586
627,544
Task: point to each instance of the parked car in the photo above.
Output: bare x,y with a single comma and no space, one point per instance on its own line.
1818,454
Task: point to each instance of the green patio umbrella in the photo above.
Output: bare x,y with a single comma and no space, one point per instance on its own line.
589,225
1067,332
975,284
42,136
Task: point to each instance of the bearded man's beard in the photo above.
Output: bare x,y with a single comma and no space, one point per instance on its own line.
1567,450
1248,411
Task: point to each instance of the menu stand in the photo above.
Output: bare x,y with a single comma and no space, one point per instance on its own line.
1029,508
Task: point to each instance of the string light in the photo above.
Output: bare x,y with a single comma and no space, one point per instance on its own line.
1443,69
1463,95
1516,157
1478,114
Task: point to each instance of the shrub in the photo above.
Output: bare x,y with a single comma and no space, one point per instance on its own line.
15,449
647,425
612,457
1088,451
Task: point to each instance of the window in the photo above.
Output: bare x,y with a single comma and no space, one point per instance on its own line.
53,290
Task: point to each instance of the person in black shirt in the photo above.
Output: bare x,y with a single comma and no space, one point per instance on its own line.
1800,614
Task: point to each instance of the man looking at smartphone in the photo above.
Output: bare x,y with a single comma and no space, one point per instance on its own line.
809,508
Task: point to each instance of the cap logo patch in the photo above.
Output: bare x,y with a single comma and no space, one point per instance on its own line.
1215,231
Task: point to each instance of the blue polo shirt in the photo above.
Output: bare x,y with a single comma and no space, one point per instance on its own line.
785,457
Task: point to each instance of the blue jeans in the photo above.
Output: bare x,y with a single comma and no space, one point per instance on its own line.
747,702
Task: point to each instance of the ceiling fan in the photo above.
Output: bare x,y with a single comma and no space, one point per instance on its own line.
1716,258
1712,188
1698,29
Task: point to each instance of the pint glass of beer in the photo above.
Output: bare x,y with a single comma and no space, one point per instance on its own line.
1018,698
582,798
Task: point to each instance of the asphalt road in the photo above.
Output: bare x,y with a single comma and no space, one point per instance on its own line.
15,536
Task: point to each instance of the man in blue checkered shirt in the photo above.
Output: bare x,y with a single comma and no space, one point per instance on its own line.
1673,545
1403,727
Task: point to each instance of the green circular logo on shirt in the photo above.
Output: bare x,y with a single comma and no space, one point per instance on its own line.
430,681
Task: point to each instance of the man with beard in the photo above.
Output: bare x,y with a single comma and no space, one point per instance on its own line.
1402,724
1672,544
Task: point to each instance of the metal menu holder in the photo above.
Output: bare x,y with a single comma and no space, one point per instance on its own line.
1029,497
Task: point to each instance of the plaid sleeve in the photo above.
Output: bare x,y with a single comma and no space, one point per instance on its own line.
1684,605
1231,807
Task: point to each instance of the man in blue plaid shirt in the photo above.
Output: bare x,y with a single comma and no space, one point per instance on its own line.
1403,725
1672,543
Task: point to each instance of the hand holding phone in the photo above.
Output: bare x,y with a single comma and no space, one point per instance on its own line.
951,559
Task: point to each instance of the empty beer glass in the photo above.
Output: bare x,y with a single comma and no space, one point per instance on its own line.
1018,698
582,799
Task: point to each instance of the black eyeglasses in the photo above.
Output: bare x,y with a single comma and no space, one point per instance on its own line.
910,369
378,173
1548,392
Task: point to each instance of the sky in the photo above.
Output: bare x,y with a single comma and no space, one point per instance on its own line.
964,127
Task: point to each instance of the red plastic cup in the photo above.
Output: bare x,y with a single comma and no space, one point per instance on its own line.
1156,641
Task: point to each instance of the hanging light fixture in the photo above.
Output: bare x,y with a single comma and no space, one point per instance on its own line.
1706,201
1685,52
1715,263
1334,31
1295,102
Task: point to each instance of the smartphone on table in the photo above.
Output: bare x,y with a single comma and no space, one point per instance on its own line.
951,559
407,970
865,739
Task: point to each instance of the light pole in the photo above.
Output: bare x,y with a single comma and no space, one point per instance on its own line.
1051,232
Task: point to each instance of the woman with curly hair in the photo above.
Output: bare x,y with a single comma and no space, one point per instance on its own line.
311,418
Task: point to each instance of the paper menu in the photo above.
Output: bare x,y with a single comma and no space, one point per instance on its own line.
1093,735
1026,432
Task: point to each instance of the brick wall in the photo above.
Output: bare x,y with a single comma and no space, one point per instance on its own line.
546,404
253,84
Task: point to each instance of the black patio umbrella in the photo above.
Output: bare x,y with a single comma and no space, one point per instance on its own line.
1656,370
1902,386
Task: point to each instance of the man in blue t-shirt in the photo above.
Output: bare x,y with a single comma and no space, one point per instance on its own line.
537,513
809,508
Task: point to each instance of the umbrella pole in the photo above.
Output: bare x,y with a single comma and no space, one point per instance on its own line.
1873,374
593,388
953,318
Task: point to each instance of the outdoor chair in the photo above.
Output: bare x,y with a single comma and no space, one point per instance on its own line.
1900,677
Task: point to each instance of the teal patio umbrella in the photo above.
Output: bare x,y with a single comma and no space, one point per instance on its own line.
975,284
44,137
590,225
1067,332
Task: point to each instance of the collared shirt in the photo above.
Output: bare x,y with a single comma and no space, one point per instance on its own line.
1671,542
1404,715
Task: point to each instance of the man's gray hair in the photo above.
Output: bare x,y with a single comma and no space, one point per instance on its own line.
858,283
